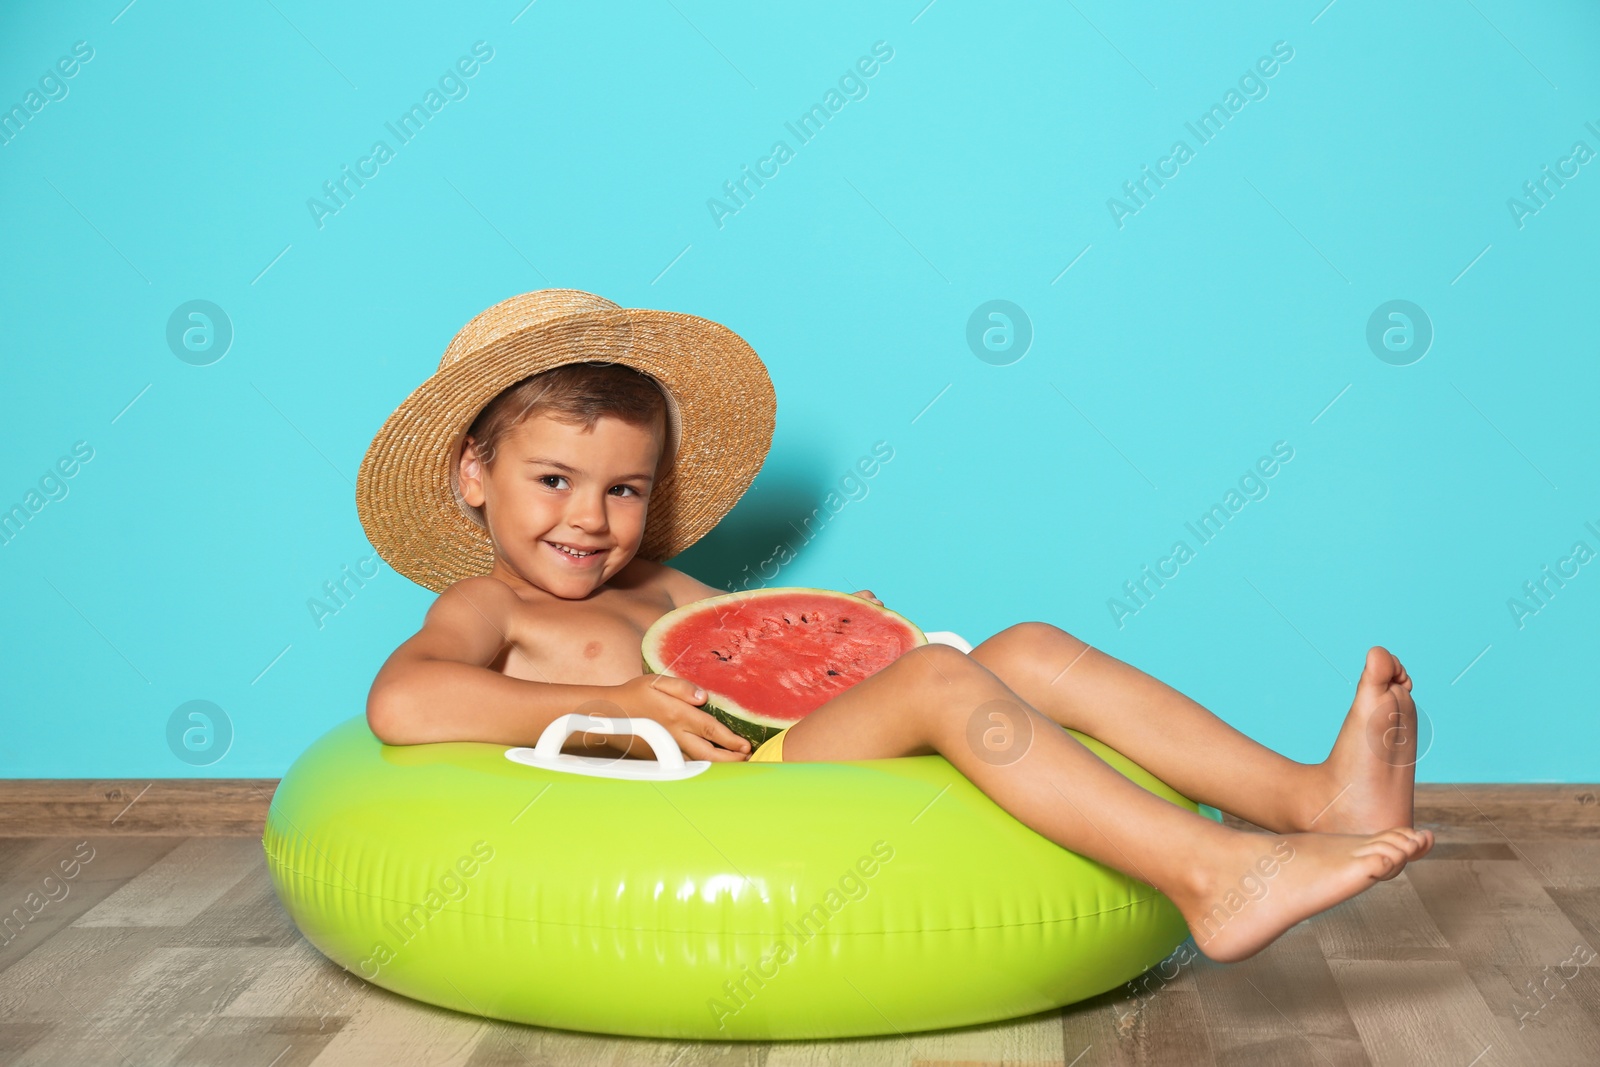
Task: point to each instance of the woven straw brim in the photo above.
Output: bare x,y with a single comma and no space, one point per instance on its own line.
726,410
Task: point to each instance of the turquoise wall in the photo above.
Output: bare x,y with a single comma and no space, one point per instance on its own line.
182,508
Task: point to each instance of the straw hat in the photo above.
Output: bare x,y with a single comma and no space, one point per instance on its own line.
720,413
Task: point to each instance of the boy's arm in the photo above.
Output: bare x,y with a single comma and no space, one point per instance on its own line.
438,685
686,589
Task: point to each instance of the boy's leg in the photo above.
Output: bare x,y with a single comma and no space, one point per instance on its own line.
1366,785
934,699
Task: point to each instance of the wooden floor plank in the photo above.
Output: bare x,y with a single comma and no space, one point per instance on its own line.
300,981
156,1011
388,1030
1585,990
1412,1012
1387,922
1032,1040
506,1045
1155,1020
288,1041
1281,1006
73,972
1564,864
247,913
1540,1016
179,886
111,863
1470,850
1507,930
1582,906
1494,912
16,852
17,1038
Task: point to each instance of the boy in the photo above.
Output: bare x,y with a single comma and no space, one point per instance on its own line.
565,444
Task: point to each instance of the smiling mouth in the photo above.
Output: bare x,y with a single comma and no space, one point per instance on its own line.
573,552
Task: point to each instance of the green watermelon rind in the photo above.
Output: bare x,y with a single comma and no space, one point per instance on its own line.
749,724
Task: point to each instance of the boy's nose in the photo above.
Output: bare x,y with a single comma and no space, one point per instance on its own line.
588,515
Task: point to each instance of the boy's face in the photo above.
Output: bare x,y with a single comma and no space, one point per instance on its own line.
554,484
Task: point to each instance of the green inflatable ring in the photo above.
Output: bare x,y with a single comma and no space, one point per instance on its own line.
736,901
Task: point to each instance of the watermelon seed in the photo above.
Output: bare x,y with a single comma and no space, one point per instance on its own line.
833,674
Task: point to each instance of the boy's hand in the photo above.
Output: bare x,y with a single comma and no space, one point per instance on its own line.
866,594
672,703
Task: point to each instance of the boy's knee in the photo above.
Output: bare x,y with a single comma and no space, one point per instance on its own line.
1027,645
1038,637
943,657
937,669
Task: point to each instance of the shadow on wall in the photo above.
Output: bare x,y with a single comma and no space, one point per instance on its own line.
755,543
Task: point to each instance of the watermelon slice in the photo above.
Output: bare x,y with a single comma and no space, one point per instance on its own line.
768,657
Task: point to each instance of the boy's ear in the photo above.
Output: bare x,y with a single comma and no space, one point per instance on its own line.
470,474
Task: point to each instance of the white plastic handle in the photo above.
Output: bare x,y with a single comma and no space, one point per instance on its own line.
668,765
666,750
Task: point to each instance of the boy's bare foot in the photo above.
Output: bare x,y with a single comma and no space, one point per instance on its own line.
1266,883
1368,782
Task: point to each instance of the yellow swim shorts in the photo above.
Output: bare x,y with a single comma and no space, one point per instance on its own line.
770,750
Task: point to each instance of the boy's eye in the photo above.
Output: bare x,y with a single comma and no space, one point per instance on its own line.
545,479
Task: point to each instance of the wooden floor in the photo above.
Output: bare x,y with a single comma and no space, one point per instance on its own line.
172,949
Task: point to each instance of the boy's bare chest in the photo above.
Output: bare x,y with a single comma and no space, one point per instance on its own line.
596,642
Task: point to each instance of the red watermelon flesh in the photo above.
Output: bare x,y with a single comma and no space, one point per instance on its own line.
768,657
